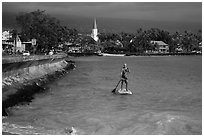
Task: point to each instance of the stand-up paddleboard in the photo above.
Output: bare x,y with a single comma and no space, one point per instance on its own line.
124,92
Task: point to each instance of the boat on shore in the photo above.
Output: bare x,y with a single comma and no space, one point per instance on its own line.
107,54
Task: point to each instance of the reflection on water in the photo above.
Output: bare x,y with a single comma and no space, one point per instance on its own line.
166,99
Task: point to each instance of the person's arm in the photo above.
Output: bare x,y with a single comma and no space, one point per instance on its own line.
127,70
121,73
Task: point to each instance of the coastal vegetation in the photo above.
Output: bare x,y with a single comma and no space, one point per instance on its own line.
140,41
51,35
47,30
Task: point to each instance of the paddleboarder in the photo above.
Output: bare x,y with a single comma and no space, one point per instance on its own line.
124,77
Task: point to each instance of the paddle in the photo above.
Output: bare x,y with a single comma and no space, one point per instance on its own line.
113,91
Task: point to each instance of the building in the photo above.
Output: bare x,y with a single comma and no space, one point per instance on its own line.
20,47
6,35
200,47
12,45
94,33
160,46
179,49
7,42
27,45
74,49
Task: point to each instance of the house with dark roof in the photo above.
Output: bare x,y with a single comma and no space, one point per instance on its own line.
160,46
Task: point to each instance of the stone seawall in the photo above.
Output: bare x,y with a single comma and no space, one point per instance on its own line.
21,69
22,74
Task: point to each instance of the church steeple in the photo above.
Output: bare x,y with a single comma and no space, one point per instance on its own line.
95,26
94,33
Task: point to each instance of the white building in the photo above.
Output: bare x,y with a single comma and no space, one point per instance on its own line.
94,33
20,47
6,35
160,46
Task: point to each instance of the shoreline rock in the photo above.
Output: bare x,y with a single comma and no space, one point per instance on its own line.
22,86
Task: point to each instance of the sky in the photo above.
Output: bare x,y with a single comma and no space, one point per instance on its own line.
113,16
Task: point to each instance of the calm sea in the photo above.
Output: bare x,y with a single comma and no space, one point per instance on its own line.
167,99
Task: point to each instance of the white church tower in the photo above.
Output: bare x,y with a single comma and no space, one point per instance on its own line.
94,33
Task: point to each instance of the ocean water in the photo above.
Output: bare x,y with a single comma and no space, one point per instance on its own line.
167,99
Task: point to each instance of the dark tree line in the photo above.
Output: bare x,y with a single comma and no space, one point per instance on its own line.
50,34
47,30
140,40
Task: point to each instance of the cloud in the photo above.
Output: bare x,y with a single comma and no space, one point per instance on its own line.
136,10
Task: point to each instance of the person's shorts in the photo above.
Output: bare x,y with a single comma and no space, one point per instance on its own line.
124,79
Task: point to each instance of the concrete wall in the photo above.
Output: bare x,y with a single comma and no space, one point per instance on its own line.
20,70
23,77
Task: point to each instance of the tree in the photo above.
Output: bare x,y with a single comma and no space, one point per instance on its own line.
14,33
46,29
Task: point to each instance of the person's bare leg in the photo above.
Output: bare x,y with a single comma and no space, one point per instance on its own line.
126,82
121,84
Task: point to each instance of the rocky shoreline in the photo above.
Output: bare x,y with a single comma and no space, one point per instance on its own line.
22,93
